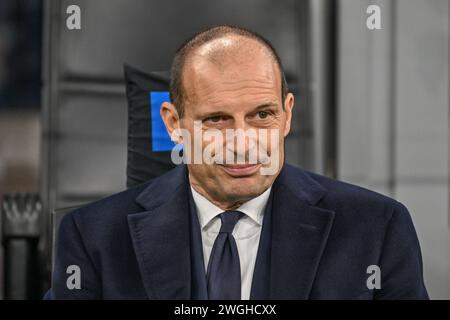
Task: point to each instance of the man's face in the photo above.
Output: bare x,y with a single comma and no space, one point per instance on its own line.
238,87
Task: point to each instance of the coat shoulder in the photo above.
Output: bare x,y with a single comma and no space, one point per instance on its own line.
109,211
348,199
107,217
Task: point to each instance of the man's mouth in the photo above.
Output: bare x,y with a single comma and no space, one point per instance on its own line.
239,170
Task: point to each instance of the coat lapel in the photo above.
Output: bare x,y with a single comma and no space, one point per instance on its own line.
299,234
161,236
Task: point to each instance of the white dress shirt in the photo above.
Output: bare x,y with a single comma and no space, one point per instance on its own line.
246,233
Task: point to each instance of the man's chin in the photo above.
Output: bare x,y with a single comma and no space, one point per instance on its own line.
243,188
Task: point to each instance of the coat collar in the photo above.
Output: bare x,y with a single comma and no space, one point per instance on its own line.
160,234
300,230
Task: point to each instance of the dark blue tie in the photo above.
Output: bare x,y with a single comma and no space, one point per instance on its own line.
224,272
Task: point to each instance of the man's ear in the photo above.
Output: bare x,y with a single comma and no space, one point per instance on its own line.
171,120
288,106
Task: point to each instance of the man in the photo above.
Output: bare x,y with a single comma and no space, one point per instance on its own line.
237,230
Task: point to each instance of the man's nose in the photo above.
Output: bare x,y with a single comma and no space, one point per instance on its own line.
240,123
242,138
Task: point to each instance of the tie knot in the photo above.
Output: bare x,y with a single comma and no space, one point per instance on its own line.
229,220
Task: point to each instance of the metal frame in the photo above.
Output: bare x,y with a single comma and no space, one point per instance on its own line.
50,66
322,57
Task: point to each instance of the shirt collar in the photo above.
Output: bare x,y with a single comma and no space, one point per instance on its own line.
253,208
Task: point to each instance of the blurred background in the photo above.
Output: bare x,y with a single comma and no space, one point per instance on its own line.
372,107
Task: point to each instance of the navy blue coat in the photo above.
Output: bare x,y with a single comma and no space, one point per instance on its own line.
324,236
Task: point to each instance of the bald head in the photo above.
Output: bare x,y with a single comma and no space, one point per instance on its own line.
220,46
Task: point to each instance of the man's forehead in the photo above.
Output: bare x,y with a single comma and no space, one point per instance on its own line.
230,57
229,63
208,82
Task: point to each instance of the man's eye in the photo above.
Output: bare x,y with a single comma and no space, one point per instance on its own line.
214,119
263,114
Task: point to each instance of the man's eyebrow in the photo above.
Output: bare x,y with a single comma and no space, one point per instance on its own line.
266,105
213,114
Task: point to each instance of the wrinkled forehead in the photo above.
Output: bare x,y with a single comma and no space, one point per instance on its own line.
230,64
